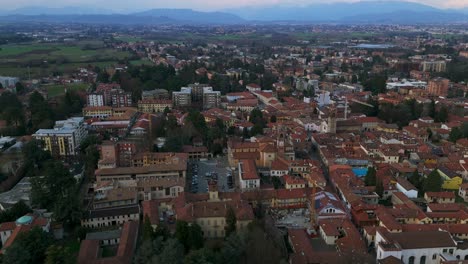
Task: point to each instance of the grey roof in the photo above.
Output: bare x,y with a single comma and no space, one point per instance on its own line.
104,235
114,211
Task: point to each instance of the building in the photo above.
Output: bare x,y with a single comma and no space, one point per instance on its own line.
9,231
414,246
65,138
119,98
111,216
248,176
154,105
211,99
8,81
434,66
183,98
209,211
97,111
197,91
158,94
95,99
125,239
438,86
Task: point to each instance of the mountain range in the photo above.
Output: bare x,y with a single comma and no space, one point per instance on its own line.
370,12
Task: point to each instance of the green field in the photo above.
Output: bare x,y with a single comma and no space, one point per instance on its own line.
57,90
45,58
127,38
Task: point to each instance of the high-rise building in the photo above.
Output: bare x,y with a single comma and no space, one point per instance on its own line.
211,99
197,90
95,99
120,98
183,97
438,86
434,66
65,138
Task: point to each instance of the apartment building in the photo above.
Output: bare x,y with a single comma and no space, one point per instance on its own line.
65,138
154,105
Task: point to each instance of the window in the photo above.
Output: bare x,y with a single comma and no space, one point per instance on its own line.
422,260
445,250
411,260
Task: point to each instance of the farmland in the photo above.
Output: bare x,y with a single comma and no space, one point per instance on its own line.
36,59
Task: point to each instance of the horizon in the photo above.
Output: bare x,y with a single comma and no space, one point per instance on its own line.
120,6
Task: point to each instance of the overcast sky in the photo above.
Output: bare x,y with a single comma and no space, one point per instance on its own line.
132,5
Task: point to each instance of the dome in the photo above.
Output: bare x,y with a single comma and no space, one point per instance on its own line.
24,220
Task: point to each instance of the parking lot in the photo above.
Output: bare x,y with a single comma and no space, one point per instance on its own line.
216,169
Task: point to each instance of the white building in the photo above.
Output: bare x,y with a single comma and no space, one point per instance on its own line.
94,99
8,81
414,247
64,138
407,188
248,176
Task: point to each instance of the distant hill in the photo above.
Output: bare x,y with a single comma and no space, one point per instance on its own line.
395,12
335,12
195,16
407,17
69,10
154,16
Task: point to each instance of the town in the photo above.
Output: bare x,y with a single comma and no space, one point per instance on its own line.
234,144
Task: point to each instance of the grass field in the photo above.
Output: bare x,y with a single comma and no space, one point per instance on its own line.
126,38
57,90
44,58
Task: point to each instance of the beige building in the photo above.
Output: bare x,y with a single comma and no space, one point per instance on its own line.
209,211
154,105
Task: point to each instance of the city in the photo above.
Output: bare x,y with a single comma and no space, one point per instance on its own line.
249,141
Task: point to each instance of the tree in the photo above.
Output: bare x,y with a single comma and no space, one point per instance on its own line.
56,254
201,256
455,134
182,233
28,248
57,192
195,237
231,221
415,179
19,87
433,182
17,210
234,248
432,109
379,188
371,177
442,114
148,231
172,252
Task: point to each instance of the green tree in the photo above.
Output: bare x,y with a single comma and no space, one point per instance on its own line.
28,248
57,192
379,188
172,252
415,179
234,248
273,119
195,237
433,182
56,254
17,210
182,233
371,177
455,134
231,221
148,231
201,256
442,114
